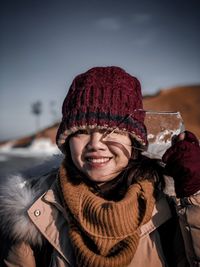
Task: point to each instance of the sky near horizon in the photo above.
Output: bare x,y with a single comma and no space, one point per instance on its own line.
46,43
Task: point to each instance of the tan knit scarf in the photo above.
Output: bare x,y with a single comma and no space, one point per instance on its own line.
105,233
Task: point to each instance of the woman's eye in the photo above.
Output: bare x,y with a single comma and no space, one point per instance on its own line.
111,135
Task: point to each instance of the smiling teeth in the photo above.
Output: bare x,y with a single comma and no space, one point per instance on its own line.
101,160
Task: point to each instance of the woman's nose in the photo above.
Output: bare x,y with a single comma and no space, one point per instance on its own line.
95,142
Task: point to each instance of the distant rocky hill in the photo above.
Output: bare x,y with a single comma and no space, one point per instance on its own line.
185,99
49,133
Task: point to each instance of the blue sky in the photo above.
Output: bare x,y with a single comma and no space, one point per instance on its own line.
44,44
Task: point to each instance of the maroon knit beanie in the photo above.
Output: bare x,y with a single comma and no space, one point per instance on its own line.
103,97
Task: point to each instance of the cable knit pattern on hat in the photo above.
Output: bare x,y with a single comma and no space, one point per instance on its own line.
103,97
105,233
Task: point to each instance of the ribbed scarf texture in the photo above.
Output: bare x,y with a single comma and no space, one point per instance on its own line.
105,233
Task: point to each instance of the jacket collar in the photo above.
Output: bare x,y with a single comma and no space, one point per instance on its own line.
50,217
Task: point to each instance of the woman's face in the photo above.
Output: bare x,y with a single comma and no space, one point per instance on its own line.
100,156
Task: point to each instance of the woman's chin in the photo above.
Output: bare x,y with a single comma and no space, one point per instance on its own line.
103,178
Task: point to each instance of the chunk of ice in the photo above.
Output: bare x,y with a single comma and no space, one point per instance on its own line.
161,127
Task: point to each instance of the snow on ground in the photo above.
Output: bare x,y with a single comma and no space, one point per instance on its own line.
3,158
39,147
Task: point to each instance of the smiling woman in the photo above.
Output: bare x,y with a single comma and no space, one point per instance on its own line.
100,157
105,206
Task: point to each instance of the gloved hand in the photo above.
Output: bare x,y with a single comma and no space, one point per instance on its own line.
183,164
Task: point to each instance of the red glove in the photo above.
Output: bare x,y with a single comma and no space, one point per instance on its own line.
183,164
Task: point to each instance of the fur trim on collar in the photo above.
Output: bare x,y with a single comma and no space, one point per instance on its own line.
17,194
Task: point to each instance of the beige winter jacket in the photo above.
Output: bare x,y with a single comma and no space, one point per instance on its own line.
51,220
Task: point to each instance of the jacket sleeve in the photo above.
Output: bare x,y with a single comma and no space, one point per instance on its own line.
20,255
189,218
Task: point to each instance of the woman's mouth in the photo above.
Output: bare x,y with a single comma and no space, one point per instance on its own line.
97,162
